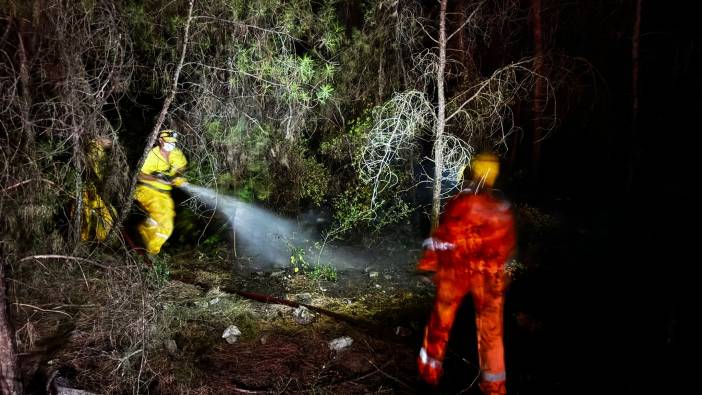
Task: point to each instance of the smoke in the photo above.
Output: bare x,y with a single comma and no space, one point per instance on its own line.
268,238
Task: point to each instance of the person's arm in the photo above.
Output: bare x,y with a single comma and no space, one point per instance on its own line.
178,163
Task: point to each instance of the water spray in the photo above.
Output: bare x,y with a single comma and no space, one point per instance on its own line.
269,237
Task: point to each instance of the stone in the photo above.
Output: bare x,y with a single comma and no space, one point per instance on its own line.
340,343
231,334
303,315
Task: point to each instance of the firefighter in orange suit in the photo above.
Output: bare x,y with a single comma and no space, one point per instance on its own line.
161,171
468,251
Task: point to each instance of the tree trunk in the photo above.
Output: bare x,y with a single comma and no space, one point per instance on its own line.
440,120
537,109
78,165
26,96
161,117
9,373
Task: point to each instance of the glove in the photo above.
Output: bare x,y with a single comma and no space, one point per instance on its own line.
178,181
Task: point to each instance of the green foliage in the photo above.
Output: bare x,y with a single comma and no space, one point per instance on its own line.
298,262
323,272
159,274
255,188
353,211
300,265
315,181
346,146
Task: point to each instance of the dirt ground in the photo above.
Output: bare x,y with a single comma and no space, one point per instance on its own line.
386,308
382,305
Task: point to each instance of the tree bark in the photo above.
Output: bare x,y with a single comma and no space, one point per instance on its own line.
10,382
440,120
161,117
537,109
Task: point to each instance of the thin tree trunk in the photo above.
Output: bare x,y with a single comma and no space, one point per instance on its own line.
463,43
440,120
538,86
10,382
6,33
78,165
24,92
161,117
635,51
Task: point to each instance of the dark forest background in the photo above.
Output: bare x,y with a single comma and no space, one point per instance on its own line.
280,103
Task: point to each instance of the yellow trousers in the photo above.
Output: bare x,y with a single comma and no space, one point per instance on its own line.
160,210
98,216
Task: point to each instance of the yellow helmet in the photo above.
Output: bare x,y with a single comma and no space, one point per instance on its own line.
485,168
168,135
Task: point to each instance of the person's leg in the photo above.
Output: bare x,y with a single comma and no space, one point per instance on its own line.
449,295
488,297
104,218
87,217
163,215
155,229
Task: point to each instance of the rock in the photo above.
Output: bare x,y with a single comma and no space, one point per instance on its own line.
214,301
373,274
303,315
340,343
264,339
231,334
377,286
305,297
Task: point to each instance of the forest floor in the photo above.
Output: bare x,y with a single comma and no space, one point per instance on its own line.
382,305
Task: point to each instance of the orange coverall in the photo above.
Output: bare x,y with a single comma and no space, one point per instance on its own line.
468,252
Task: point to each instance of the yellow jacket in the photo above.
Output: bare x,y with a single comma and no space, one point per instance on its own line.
155,163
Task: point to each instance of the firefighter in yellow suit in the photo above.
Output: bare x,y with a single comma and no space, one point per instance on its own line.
161,171
98,216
